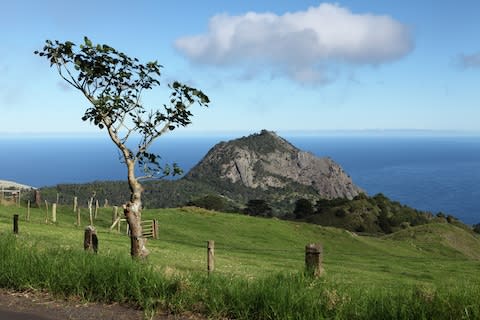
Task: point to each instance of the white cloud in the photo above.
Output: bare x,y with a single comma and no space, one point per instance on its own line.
299,44
469,60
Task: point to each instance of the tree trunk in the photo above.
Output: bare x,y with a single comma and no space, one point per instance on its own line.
133,213
133,209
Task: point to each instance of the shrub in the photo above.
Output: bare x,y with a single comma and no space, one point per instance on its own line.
258,207
303,208
210,202
476,228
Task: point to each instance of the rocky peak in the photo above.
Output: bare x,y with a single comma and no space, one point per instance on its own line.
265,160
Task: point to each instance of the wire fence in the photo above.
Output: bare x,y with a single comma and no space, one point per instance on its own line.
379,258
335,254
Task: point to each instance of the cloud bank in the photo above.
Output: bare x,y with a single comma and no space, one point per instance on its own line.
299,44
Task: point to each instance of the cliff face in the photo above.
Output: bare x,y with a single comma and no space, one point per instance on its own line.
265,161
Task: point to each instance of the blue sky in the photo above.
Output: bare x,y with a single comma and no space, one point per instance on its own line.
279,65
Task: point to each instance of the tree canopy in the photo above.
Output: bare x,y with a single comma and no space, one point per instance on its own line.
114,83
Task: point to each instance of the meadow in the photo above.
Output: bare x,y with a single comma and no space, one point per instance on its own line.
426,272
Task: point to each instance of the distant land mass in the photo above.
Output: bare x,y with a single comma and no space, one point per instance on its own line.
266,161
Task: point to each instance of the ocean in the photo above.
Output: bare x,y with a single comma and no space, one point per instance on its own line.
431,173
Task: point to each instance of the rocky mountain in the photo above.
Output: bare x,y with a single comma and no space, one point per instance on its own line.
266,162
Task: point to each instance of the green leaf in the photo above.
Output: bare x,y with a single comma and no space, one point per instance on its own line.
87,41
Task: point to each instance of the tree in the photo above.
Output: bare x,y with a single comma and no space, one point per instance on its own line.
209,202
114,84
476,228
258,207
303,208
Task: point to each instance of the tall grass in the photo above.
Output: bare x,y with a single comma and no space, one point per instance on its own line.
70,272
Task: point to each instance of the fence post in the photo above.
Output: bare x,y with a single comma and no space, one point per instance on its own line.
78,217
155,229
210,255
96,209
54,212
105,204
313,259
28,210
90,240
75,203
46,212
15,223
114,214
38,198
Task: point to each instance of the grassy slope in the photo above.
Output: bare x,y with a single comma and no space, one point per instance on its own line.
439,254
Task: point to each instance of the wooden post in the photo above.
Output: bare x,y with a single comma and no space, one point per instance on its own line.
58,197
54,212
19,197
46,212
114,214
14,196
75,204
15,223
155,229
38,198
28,210
210,255
78,217
90,240
313,259
105,204
96,209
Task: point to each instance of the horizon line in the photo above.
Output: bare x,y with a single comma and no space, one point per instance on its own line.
330,132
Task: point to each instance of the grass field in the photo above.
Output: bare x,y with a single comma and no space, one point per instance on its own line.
429,271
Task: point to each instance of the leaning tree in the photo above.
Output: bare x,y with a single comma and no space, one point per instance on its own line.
113,84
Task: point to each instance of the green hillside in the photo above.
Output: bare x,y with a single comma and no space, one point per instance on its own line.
435,256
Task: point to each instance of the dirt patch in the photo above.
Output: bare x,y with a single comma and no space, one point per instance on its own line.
43,306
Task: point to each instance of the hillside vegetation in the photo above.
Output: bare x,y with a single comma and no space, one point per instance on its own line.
363,214
427,271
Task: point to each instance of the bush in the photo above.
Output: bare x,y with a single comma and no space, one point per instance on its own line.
476,228
340,213
303,208
258,207
209,202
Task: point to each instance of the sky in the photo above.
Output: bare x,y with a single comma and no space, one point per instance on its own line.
277,65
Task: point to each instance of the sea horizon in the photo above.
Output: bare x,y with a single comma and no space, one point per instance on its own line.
400,132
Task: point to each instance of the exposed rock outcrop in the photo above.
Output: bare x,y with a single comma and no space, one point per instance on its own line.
265,160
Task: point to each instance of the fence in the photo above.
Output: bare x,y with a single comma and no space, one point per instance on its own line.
313,253
11,195
149,227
